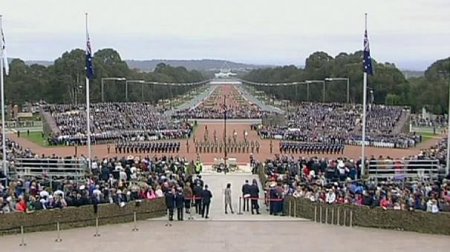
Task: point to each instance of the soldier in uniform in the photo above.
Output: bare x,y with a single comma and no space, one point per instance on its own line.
220,147
257,146
252,146
196,147
270,146
152,147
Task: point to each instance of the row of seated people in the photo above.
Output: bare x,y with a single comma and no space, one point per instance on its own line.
109,119
108,137
147,147
341,123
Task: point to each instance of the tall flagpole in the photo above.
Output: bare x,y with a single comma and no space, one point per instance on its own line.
88,107
363,138
3,102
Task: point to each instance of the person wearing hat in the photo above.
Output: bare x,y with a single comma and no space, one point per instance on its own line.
206,201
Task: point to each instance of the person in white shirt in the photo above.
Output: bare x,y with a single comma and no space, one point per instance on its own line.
330,198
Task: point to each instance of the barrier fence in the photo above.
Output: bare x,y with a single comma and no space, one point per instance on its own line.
73,217
362,216
334,216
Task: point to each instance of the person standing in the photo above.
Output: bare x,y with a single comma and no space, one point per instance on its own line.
198,198
170,202
246,195
228,199
254,194
206,200
187,193
179,203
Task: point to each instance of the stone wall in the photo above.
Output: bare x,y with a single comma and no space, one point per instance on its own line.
73,217
416,221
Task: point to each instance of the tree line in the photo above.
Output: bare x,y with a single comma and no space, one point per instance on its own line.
64,81
388,84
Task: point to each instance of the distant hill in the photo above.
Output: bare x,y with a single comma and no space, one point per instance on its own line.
412,74
39,62
200,65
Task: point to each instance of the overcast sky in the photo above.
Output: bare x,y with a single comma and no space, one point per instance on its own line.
410,33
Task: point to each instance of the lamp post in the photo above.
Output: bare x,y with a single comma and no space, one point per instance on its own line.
103,84
132,81
348,85
316,81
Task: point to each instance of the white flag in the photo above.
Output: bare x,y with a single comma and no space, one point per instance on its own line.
4,58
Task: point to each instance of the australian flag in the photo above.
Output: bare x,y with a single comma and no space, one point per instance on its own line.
89,65
367,60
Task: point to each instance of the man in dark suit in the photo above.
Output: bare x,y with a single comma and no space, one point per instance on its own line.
170,202
179,202
254,194
246,195
206,200
197,198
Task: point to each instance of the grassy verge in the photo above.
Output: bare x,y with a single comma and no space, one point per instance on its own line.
36,137
426,136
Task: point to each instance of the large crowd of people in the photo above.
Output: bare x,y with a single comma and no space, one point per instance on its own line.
110,180
223,99
114,121
432,121
334,181
342,124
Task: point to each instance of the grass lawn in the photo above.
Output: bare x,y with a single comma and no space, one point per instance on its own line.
426,136
35,137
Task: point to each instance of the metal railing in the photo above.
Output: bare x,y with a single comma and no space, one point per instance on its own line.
50,168
404,169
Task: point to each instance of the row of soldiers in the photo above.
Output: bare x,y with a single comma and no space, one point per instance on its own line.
148,147
219,147
311,148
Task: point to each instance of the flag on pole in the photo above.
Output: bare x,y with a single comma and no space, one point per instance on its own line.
89,65
367,60
4,58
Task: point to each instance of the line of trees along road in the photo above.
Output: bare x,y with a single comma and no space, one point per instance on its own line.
388,83
64,81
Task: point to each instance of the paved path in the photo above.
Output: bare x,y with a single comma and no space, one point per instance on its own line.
230,236
217,183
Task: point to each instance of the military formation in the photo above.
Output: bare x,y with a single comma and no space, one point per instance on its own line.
229,147
311,148
148,147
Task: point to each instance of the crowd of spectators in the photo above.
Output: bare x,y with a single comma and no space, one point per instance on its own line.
15,150
114,180
342,123
433,121
114,121
213,107
334,181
